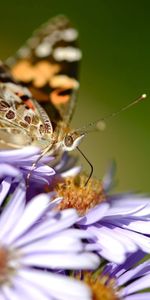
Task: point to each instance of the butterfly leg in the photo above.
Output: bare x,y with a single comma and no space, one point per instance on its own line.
34,165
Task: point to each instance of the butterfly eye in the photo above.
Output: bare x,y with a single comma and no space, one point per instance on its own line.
68,140
71,141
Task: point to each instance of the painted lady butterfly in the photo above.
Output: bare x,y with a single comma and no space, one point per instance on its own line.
44,69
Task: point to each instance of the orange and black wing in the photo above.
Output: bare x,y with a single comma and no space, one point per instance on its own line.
48,66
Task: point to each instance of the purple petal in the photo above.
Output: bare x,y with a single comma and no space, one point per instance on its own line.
50,226
33,158
34,210
130,223
11,294
4,188
138,285
14,207
43,169
7,170
55,202
145,211
141,296
49,283
142,226
25,152
27,290
107,181
135,272
95,214
127,205
140,240
69,240
105,238
72,172
37,178
72,261
128,243
56,244
115,270
67,162
111,256
67,218
2,296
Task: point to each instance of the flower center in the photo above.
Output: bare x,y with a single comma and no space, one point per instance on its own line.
6,270
3,265
102,287
76,195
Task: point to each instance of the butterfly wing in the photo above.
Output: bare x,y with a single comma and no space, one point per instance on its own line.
48,66
22,120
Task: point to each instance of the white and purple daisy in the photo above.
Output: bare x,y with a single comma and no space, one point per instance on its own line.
118,223
36,242
120,226
127,281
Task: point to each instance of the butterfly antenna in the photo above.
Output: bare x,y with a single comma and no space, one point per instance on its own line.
91,172
100,124
142,97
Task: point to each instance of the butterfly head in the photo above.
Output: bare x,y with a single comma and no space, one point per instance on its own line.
72,140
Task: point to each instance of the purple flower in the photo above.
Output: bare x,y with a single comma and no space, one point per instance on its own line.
66,166
17,163
120,226
119,223
128,281
119,282
36,242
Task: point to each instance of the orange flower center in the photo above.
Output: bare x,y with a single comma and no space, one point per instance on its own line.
102,287
7,265
3,265
76,195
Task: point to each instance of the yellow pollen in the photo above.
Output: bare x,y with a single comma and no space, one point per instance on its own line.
3,264
102,287
76,195
7,270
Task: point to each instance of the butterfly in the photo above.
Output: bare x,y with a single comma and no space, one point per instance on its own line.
38,90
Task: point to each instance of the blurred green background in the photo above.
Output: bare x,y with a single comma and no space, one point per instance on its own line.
115,39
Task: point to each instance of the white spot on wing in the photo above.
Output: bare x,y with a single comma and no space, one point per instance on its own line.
69,34
53,37
10,60
43,50
33,41
24,52
67,53
9,91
